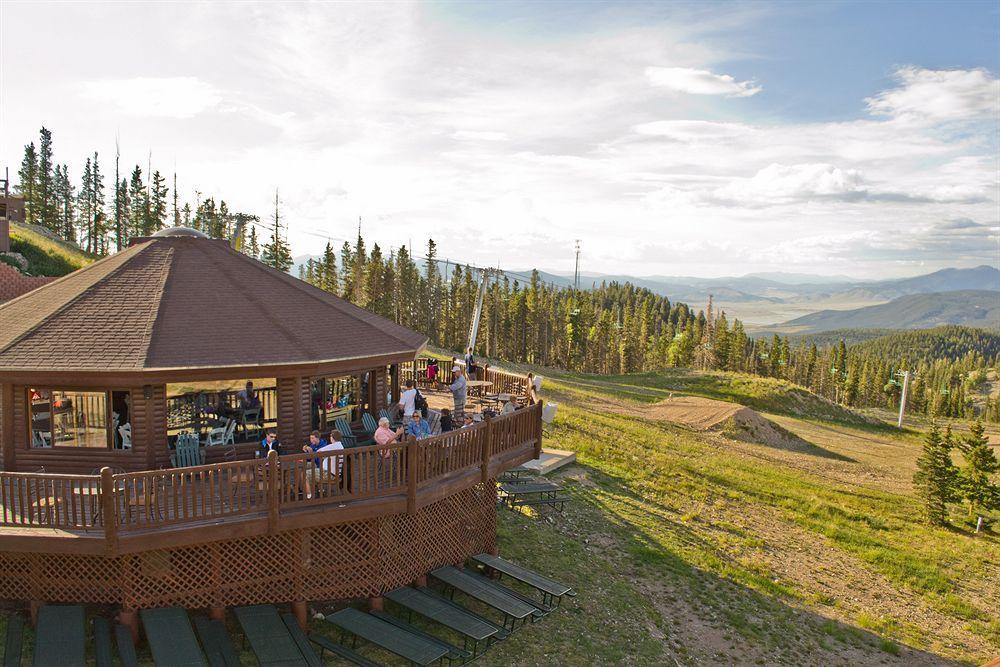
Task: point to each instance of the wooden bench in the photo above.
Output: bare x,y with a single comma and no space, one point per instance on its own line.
473,628
171,638
60,637
14,641
549,588
385,635
512,608
215,640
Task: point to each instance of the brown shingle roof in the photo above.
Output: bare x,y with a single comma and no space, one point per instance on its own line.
187,302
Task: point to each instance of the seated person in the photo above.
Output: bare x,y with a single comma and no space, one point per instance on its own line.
467,420
509,407
248,398
269,443
384,436
446,423
418,426
316,444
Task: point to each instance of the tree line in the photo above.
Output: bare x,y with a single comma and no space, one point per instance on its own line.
102,218
939,482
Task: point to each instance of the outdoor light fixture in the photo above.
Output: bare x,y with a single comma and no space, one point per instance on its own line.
147,391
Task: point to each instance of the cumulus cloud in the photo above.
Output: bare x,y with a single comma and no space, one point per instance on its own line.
700,82
938,95
172,97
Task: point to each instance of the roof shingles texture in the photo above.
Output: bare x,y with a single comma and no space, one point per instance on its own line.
179,302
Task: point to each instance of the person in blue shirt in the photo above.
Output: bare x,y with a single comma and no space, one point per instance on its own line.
418,426
316,443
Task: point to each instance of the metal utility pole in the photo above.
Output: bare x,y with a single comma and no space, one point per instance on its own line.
902,398
478,313
576,272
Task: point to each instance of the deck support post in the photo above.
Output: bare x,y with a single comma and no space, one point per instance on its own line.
107,509
130,619
33,608
300,610
217,613
421,581
376,603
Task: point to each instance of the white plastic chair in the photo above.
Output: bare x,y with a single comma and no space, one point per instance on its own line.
221,435
40,439
125,431
549,412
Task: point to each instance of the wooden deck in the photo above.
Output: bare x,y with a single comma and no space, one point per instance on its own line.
256,495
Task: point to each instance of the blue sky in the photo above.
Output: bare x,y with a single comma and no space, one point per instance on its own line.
672,138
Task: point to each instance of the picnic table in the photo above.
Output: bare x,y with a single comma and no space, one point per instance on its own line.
269,639
465,623
406,645
542,492
476,388
513,608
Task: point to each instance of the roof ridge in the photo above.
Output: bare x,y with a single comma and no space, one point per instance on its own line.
339,303
76,297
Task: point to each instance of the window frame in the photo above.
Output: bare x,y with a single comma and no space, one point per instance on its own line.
108,409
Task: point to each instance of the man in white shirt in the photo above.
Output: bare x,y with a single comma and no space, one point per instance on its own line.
407,400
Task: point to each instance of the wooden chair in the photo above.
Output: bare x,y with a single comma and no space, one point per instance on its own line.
250,421
187,451
125,431
369,423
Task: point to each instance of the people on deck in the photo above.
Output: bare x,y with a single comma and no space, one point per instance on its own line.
384,436
458,388
470,364
248,398
268,444
467,421
446,422
418,426
432,370
509,407
321,466
407,400
532,390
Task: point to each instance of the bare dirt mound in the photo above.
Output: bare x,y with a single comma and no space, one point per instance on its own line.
731,419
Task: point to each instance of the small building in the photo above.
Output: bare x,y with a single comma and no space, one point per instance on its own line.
105,366
11,210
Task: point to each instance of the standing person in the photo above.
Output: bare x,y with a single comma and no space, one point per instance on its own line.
446,423
248,398
316,444
470,364
458,388
532,391
407,400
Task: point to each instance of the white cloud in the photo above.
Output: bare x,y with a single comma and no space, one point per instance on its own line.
691,130
171,97
700,82
938,95
473,135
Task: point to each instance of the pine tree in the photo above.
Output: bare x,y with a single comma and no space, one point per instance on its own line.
28,183
67,209
138,205
935,477
276,252
98,240
85,202
329,264
45,196
252,247
157,203
976,476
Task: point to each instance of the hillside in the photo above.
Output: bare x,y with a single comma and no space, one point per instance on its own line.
916,311
691,547
47,255
927,345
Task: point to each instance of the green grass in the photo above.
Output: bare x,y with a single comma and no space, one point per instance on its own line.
46,256
659,490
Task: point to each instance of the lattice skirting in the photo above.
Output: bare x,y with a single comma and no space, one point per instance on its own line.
349,560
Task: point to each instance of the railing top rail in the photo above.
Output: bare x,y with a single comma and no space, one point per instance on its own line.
50,475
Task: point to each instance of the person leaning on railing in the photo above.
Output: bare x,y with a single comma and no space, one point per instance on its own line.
320,467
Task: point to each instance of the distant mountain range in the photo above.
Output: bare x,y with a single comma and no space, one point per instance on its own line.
974,308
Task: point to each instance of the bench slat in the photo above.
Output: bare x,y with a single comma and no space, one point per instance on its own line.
447,615
103,651
215,640
171,638
126,649
14,642
60,637
524,575
342,651
268,636
300,639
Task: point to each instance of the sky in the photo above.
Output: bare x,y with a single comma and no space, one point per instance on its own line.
703,139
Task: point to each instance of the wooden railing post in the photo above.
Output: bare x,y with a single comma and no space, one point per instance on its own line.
108,503
538,430
486,446
273,487
413,465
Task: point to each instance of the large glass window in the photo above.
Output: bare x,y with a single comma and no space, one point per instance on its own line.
71,418
333,398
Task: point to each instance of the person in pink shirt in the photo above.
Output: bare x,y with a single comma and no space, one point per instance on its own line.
384,436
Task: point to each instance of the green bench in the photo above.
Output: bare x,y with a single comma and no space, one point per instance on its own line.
406,645
126,649
103,651
549,588
14,641
300,639
60,637
340,651
513,608
444,612
215,640
454,653
544,492
268,636
171,638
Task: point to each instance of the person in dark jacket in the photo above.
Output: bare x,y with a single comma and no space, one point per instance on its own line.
269,443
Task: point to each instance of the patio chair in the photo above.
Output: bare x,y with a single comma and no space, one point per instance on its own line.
369,423
125,431
352,439
388,415
222,435
187,451
40,439
250,421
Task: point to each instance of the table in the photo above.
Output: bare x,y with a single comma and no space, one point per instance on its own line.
480,385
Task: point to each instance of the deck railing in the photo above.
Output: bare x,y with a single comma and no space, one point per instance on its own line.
504,382
251,489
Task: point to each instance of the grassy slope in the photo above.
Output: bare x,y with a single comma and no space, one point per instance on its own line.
674,530
46,256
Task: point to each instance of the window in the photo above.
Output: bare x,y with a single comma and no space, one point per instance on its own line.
71,418
333,398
